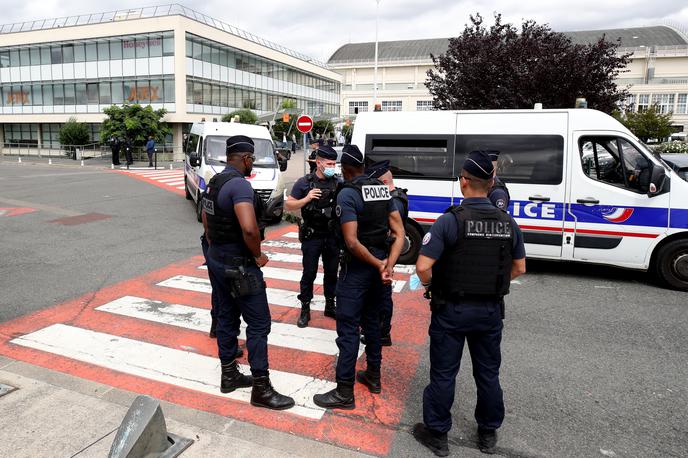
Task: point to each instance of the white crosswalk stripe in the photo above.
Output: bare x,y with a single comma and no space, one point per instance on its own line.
281,334
166,365
291,235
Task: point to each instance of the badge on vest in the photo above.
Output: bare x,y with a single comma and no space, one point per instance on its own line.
489,229
208,206
372,193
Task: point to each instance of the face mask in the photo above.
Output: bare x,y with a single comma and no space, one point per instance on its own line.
329,172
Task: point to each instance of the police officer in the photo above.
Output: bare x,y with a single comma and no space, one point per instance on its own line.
499,193
314,196
128,150
365,218
114,147
381,171
467,261
315,144
231,211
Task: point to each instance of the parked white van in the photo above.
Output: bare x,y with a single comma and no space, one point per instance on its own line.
583,187
206,156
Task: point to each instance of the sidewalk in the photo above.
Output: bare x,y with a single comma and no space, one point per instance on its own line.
54,414
102,163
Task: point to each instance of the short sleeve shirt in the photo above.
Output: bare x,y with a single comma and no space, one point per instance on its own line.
235,191
444,233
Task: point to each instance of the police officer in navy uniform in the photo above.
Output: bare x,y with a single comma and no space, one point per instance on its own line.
314,196
315,144
467,261
381,171
231,212
499,193
371,235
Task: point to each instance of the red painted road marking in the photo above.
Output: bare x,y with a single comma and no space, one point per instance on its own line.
154,177
5,211
369,428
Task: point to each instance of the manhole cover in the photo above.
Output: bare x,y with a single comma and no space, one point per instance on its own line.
4,389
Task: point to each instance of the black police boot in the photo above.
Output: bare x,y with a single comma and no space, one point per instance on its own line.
305,316
213,328
264,395
341,397
330,308
435,441
487,440
371,379
232,378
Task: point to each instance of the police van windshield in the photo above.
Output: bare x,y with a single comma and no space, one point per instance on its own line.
215,151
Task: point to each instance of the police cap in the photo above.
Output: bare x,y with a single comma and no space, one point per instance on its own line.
238,144
377,169
494,154
351,155
479,165
326,152
314,141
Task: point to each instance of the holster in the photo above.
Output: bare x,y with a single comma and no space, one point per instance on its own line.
242,283
305,232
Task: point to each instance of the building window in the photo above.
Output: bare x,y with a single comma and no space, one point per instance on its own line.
424,105
362,106
682,105
664,102
391,105
643,102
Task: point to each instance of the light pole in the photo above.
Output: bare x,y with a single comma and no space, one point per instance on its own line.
377,10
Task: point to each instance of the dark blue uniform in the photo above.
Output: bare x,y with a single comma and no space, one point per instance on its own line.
477,322
499,194
254,308
387,305
360,293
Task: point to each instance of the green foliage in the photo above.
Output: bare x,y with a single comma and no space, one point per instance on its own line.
74,133
674,147
647,124
347,130
245,116
288,103
135,122
322,128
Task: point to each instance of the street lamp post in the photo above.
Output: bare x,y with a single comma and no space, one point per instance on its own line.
377,9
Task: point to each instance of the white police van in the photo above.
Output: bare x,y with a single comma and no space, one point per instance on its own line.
205,156
583,187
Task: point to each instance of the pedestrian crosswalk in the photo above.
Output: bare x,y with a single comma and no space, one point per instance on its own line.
172,180
149,335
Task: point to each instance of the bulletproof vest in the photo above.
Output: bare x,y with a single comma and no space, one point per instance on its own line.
401,194
499,184
373,222
223,226
318,212
478,266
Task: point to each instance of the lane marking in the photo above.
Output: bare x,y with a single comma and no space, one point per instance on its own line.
311,339
291,235
166,365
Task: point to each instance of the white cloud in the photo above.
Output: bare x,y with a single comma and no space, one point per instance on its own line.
318,28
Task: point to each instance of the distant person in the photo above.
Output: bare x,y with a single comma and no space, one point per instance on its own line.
115,147
315,144
150,150
128,151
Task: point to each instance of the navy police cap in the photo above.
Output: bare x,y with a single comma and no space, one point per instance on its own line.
326,152
351,155
377,169
479,164
238,144
494,154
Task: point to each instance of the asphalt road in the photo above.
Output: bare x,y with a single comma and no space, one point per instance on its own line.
594,358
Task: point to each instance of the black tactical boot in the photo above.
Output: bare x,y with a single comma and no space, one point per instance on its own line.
371,379
232,378
305,316
487,440
435,441
330,308
264,395
341,397
213,328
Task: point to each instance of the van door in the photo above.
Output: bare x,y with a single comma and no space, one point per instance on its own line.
190,172
533,168
614,219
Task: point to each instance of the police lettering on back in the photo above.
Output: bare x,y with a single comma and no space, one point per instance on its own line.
488,229
373,193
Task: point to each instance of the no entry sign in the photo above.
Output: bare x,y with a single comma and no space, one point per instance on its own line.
304,124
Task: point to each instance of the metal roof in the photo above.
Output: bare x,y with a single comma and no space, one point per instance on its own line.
150,12
415,50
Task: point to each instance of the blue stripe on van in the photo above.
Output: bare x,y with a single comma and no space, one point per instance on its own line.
679,218
429,204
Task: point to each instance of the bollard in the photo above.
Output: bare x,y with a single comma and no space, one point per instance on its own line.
82,162
50,161
170,166
112,166
19,159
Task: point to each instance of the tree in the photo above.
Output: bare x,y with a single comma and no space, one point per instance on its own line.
647,124
501,67
245,116
322,127
135,123
73,134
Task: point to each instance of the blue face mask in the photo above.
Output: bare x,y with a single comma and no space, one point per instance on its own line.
329,172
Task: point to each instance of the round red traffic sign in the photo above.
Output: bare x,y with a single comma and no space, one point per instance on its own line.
304,124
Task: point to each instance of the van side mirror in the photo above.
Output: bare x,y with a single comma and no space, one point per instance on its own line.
193,160
281,160
657,181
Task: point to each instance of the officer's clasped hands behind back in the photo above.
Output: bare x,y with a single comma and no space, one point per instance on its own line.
467,262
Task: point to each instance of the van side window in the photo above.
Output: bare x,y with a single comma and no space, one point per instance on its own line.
192,144
412,156
615,161
531,159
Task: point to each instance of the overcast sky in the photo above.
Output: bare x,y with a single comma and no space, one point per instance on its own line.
318,28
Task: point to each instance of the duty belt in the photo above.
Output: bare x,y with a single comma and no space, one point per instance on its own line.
235,261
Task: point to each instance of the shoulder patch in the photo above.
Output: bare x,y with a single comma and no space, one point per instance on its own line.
338,210
501,203
426,238
375,192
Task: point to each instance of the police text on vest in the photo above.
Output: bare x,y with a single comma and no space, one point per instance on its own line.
375,192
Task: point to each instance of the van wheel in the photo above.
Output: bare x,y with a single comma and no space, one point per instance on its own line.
186,189
672,264
199,209
411,248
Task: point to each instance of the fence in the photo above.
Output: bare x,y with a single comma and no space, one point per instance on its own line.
163,153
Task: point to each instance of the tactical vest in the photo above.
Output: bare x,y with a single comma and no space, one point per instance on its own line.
223,226
401,194
318,212
373,222
499,184
479,265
